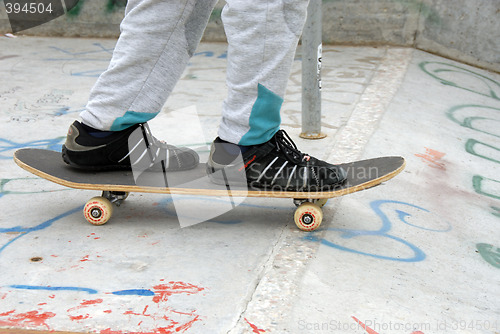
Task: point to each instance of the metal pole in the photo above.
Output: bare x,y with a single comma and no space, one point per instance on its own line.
311,73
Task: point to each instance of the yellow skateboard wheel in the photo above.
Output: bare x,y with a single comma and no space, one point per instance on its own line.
308,216
98,210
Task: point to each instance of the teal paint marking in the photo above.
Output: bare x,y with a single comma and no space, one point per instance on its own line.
482,84
131,118
478,182
489,254
114,5
265,119
496,212
471,147
75,8
472,116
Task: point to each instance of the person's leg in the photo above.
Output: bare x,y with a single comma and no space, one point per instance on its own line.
262,37
156,41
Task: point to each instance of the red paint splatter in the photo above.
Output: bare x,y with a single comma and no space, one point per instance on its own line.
187,325
7,313
159,330
366,328
432,157
109,331
256,329
85,258
91,302
108,311
32,318
79,317
371,331
163,291
83,304
170,325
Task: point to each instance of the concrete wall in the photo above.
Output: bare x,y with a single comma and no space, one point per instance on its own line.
99,18
465,30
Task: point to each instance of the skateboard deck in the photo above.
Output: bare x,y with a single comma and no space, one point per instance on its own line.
116,185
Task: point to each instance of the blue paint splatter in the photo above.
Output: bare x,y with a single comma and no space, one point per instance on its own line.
53,288
25,230
6,145
418,254
130,292
134,292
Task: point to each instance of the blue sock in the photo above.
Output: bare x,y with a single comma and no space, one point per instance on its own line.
96,133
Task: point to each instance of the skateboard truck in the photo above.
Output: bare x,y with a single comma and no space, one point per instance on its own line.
115,197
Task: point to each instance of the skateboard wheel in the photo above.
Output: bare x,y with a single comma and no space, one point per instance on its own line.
98,210
308,216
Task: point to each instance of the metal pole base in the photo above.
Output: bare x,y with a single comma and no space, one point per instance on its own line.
308,135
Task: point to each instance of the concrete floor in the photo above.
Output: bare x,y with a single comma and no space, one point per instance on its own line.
420,254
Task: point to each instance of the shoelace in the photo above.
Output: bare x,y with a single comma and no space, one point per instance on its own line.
289,149
148,136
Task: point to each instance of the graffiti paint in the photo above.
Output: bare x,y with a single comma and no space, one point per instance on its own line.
496,211
483,119
383,233
486,187
490,254
164,291
255,329
480,118
26,319
474,82
483,150
53,288
369,330
432,158
98,49
25,186
7,147
111,6
149,313
23,231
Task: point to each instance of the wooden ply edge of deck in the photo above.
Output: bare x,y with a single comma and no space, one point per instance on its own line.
212,192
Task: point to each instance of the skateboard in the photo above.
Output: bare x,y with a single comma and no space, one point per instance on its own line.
116,185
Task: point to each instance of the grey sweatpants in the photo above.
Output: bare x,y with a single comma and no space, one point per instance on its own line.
159,36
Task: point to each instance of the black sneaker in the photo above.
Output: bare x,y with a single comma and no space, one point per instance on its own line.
276,164
86,151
